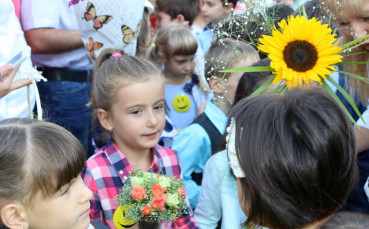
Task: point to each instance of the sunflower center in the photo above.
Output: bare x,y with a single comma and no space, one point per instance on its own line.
300,55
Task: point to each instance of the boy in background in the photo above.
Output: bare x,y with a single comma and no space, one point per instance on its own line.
214,11
183,11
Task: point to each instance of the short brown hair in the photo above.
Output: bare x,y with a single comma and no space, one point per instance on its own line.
36,156
188,8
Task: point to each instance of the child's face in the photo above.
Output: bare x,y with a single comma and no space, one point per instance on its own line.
356,25
179,65
214,11
137,116
67,209
234,77
162,19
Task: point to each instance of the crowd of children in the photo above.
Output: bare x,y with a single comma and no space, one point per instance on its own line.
278,161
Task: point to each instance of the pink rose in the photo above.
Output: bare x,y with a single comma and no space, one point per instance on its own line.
146,210
158,202
181,191
138,193
157,190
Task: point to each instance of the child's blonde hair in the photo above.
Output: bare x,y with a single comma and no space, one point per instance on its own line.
112,73
36,156
172,39
359,54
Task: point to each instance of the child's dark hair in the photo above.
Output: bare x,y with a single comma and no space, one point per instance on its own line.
36,156
250,81
172,39
297,152
347,220
188,8
112,73
223,53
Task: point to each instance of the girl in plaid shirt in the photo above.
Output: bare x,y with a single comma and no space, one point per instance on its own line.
128,100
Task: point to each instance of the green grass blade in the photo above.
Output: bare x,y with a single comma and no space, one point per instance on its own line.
354,75
331,92
347,97
262,87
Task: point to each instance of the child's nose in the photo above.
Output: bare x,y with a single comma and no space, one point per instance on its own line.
359,30
152,120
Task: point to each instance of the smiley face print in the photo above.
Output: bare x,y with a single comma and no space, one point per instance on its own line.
119,219
181,103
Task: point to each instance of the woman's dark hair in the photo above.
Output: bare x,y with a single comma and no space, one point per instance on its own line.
297,151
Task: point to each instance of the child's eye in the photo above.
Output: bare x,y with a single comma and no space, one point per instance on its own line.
136,112
366,19
343,23
159,107
66,191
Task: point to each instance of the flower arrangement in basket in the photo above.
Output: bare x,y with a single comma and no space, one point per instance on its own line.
152,197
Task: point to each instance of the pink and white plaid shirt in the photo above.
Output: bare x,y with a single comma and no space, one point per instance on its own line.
104,175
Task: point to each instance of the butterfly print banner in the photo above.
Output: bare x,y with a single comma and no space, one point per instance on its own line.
109,24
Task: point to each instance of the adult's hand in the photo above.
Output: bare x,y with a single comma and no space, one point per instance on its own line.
7,74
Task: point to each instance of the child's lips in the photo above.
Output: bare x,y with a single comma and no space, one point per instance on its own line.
151,135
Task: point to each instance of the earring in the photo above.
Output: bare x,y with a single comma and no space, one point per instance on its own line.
25,227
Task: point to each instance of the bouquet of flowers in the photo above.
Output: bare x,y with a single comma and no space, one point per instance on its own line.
152,197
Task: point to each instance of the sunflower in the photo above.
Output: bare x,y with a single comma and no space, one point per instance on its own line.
303,52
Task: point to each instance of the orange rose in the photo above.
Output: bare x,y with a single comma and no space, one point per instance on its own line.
181,191
146,210
157,190
138,193
158,202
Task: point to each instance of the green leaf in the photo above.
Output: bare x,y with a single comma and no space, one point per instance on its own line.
250,69
354,75
347,97
326,87
351,63
262,87
304,12
347,45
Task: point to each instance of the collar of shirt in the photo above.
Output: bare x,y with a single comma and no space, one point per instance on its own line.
216,116
121,163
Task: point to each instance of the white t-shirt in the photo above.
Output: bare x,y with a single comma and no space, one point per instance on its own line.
35,15
14,104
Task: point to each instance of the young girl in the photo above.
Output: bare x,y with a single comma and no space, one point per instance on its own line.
40,182
293,156
196,143
175,48
352,17
222,205
128,99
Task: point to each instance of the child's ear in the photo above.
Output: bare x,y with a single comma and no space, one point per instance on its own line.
104,119
180,18
162,58
13,216
216,85
229,7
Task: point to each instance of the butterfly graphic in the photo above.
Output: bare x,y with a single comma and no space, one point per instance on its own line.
99,21
128,34
91,46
